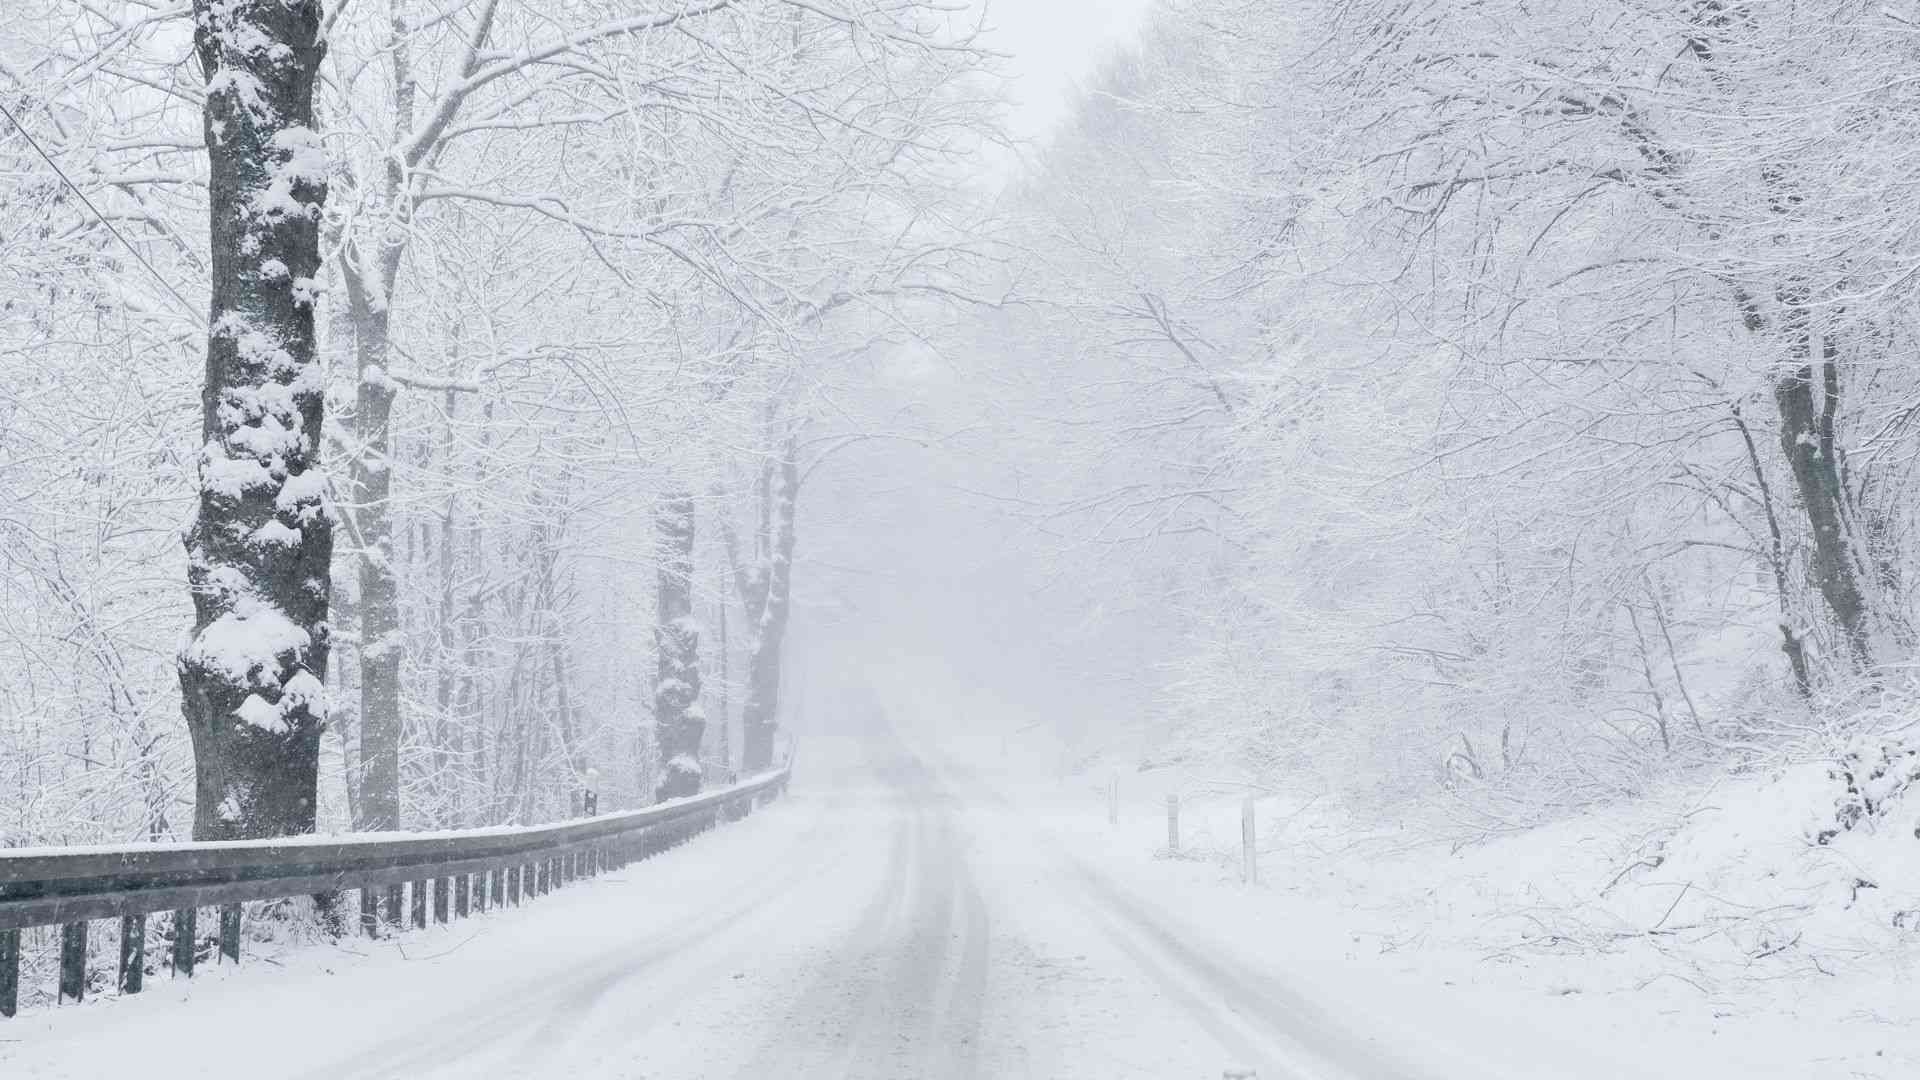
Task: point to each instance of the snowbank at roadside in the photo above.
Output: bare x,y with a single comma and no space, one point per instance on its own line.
1707,919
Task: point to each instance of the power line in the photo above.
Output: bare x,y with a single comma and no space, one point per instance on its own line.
131,250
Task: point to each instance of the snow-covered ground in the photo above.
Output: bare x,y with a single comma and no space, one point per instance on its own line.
1699,933
927,907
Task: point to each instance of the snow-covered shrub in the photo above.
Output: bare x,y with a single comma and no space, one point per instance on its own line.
1873,772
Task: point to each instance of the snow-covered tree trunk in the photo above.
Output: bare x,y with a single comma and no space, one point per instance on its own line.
1806,439
371,272
760,712
252,673
381,645
678,723
450,739
724,749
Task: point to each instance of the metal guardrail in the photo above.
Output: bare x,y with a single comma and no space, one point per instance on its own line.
464,871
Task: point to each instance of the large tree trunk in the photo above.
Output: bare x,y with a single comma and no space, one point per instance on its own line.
381,646
449,735
725,748
253,671
1807,441
1791,643
677,720
761,711
343,691
371,273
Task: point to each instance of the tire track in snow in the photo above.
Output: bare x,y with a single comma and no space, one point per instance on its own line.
1274,1026
1278,1028
961,1031
902,993
454,1042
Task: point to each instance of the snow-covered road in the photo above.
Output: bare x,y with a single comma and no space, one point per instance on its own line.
896,917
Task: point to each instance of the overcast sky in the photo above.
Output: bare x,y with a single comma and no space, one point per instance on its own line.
1055,44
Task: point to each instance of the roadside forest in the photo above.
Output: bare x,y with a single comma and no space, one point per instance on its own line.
1479,413
407,405
1503,406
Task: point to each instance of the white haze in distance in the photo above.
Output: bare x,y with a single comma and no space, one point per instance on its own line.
1053,45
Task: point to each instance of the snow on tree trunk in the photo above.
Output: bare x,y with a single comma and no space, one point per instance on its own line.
381,642
1806,438
725,748
259,547
760,713
678,722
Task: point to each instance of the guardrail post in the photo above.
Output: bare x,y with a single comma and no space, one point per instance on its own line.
513,885
393,906
327,906
9,972
419,898
440,900
1173,823
133,953
183,932
369,911
73,961
461,891
230,931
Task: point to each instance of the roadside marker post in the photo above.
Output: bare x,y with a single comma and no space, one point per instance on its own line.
1249,851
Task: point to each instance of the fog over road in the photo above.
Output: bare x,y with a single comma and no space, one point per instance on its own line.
901,929
891,918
